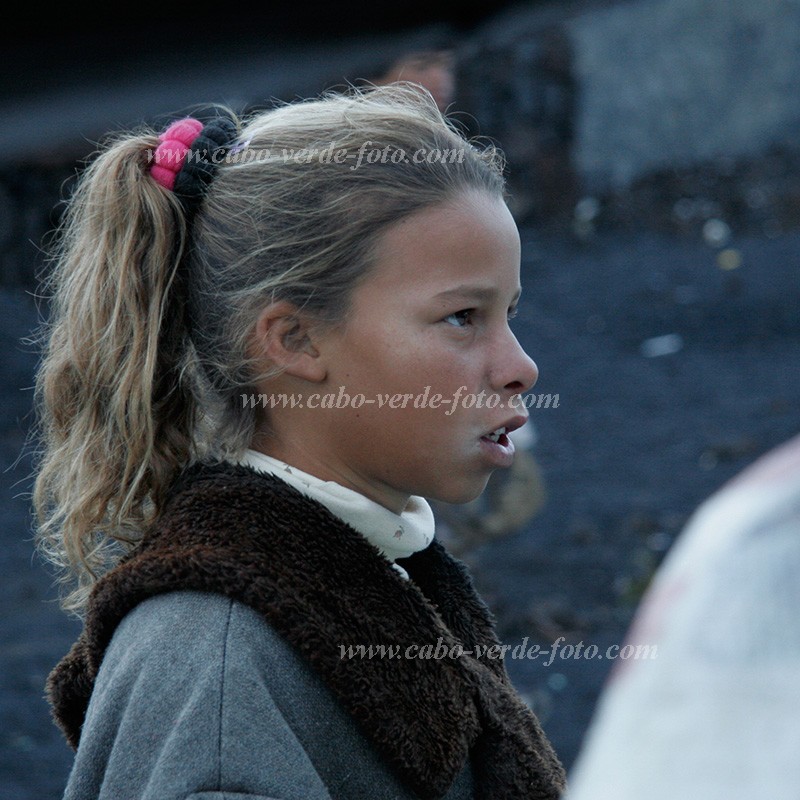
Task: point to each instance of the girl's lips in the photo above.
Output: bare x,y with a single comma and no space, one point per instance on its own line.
499,453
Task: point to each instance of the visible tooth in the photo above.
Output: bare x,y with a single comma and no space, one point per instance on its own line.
495,435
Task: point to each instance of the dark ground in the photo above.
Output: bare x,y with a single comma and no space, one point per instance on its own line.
634,445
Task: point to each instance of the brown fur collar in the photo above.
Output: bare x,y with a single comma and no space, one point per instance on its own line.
232,530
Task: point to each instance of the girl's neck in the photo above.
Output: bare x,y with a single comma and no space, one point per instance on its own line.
328,471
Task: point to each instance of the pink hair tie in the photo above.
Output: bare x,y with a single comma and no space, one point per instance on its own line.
171,152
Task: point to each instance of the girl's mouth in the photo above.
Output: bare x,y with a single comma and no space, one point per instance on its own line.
500,436
498,448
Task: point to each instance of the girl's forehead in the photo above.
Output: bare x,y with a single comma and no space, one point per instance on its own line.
475,242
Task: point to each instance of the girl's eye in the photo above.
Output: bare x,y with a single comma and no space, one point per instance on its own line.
512,312
460,318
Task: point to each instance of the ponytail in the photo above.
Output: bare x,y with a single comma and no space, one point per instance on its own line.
114,404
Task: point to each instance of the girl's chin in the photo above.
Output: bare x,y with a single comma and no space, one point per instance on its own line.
460,494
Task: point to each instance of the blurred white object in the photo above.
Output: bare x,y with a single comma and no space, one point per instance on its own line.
717,714
716,232
662,345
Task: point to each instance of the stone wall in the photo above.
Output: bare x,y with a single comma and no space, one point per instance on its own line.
673,83
591,98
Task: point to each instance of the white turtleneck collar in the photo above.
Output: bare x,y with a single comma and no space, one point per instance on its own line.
395,535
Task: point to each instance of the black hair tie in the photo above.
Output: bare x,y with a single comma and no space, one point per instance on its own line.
204,156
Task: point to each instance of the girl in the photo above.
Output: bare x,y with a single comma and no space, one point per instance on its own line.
266,347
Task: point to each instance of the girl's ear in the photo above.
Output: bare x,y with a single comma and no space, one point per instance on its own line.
283,337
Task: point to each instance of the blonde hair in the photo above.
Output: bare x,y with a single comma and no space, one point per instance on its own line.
144,352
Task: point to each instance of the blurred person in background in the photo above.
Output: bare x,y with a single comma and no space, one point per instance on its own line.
716,714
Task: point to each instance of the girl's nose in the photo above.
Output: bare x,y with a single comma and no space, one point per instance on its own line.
516,371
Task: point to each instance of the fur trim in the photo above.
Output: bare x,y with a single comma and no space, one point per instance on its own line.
231,530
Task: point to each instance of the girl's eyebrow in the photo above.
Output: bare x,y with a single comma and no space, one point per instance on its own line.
474,292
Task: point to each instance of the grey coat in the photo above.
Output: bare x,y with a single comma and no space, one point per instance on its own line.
210,664
198,697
